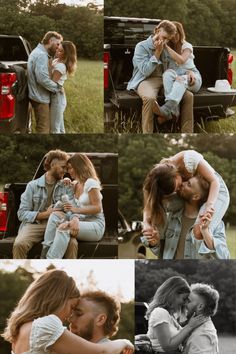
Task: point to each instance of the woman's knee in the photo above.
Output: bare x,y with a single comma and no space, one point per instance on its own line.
169,74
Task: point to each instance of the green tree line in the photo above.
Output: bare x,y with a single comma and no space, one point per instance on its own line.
206,22
32,19
149,275
138,154
20,154
14,284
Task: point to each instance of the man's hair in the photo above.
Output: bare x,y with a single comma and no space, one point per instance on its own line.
168,26
204,188
210,296
110,305
49,35
54,154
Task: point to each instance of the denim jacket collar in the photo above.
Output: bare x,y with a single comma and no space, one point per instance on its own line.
42,181
150,43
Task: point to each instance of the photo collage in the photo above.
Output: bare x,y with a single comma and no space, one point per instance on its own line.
118,174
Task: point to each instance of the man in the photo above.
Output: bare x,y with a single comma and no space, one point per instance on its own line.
203,300
37,205
96,317
178,238
39,83
149,63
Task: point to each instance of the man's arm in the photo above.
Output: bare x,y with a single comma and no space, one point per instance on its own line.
26,212
42,74
144,62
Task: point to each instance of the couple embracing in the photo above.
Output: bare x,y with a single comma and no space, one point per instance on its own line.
179,318
48,66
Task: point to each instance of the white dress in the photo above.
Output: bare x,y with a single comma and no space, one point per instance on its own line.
44,333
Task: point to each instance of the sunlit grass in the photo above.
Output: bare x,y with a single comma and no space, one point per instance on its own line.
84,93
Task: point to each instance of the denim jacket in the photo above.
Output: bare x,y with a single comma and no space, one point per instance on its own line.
144,63
39,83
194,249
34,198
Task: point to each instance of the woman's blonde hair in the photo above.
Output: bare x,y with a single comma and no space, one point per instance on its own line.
166,294
159,182
180,31
70,56
46,295
83,166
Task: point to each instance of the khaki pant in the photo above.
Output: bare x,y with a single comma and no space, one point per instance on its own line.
30,234
41,112
148,91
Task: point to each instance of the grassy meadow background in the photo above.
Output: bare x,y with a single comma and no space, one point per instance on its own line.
84,94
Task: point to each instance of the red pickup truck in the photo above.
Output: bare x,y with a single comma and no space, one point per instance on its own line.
14,102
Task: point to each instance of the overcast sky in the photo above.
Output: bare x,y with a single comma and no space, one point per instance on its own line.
82,2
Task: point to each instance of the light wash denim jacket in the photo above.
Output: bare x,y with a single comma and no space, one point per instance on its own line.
194,249
34,198
144,63
39,83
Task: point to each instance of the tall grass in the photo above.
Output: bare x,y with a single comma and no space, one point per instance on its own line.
84,93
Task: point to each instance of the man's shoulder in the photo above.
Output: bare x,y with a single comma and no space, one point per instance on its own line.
146,43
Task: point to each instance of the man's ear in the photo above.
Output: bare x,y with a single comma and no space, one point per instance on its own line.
101,319
196,197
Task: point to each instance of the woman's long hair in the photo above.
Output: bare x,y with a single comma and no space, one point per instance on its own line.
46,295
167,293
180,30
159,182
70,56
83,167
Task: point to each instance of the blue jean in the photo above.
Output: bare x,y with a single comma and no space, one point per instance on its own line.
220,206
57,108
175,89
90,229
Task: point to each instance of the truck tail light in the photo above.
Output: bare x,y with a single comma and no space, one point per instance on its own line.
106,58
230,71
3,211
7,100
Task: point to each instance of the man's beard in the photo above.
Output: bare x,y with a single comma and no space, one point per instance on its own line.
52,52
87,332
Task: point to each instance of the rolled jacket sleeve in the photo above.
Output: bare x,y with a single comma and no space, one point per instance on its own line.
26,212
42,74
143,61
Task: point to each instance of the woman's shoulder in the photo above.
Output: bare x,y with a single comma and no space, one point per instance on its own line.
91,183
57,65
45,331
160,311
187,45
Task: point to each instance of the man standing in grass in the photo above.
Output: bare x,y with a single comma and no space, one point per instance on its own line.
39,82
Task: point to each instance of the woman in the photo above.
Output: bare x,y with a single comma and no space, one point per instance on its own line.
181,75
65,63
166,178
167,305
85,209
36,324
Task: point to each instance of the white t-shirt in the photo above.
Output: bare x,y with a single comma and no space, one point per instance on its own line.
157,317
189,64
83,199
58,66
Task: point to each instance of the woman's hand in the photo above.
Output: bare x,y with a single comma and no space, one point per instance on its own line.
68,207
191,78
152,235
74,226
67,181
196,321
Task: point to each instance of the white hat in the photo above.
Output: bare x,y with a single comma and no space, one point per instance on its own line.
221,86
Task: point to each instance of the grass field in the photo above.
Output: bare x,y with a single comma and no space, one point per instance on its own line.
227,345
84,93
230,236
